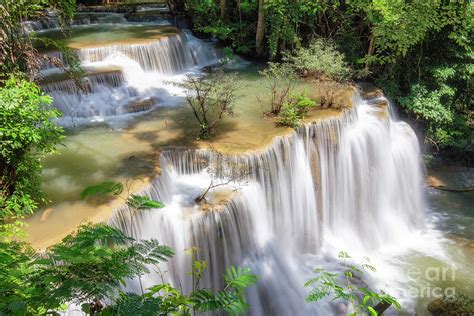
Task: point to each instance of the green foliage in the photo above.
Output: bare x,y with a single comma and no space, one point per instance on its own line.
88,267
426,105
321,60
294,110
93,264
288,116
163,299
27,133
344,287
152,252
134,304
443,126
236,32
286,22
16,265
238,278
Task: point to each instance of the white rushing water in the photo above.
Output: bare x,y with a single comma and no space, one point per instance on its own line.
127,78
352,183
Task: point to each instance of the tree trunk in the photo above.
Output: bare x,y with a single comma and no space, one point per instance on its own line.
370,51
223,5
260,28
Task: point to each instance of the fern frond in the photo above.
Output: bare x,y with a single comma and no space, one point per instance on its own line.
239,278
205,300
153,252
88,235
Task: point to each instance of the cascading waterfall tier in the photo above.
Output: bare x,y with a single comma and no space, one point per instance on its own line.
50,23
139,81
353,182
81,19
167,56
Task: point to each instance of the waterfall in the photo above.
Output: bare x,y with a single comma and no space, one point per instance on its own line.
47,24
350,183
139,84
167,56
53,24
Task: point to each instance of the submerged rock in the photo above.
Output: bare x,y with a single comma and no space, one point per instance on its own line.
139,105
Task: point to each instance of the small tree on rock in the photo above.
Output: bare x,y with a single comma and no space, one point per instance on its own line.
281,81
211,98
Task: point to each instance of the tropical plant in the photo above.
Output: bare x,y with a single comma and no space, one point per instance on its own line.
164,299
90,268
346,286
16,289
134,203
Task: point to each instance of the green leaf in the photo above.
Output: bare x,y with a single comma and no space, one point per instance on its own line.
143,203
104,188
372,311
365,300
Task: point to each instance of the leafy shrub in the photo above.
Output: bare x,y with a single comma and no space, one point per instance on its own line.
444,125
294,110
302,103
211,98
328,92
288,116
280,79
320,60
28,131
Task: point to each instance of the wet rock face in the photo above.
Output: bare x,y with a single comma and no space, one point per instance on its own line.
140,105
